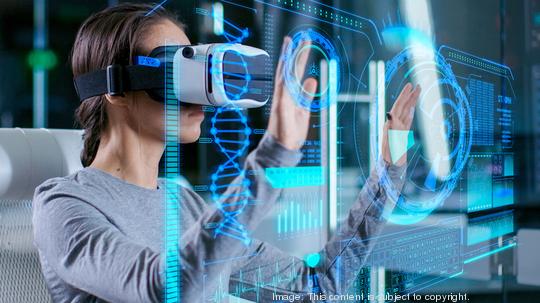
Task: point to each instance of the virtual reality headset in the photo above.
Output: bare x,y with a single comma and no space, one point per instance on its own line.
210,74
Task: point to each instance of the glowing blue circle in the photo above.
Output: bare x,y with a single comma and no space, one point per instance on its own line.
407,210
319,43
312,260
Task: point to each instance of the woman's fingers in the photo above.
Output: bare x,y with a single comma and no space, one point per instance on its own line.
287,103
410,104
310,87
278,80
401,99
416,95
303,56
413,97
300,120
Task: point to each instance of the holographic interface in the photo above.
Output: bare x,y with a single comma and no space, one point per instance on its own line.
450,207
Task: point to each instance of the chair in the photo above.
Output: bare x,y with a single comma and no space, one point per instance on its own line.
27,158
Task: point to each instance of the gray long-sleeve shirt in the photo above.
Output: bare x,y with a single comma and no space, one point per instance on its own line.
100,239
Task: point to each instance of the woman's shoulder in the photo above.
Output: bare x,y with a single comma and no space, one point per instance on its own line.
74,186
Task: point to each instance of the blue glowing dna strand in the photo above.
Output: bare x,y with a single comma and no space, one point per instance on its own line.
235,34
231,132
240,87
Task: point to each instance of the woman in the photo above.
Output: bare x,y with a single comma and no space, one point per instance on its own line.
99,231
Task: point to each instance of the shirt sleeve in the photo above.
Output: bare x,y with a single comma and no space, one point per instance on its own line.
210,254
271,271
88,252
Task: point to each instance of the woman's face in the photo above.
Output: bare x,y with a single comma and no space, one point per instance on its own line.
149,113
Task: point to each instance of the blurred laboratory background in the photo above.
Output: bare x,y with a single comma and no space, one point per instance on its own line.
495,46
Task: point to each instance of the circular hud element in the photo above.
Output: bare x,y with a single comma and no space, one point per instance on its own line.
323,64
438,145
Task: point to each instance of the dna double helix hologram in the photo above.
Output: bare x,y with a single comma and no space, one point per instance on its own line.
230,186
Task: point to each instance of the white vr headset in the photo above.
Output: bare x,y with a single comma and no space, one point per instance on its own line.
210,74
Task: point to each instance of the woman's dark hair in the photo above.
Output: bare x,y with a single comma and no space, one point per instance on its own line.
111,36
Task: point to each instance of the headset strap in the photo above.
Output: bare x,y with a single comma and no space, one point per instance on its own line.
118,79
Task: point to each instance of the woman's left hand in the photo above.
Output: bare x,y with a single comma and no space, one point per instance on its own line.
289,123
400,118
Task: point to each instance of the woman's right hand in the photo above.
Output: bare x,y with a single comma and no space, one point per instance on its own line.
289,122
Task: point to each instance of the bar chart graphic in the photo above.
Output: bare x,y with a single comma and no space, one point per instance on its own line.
299,218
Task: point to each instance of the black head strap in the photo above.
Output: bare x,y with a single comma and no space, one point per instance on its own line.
118,79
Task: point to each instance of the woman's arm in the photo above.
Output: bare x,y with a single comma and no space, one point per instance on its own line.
88,252
208,254
226,241
271,271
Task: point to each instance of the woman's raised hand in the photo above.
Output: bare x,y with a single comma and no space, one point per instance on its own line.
289,122
400,117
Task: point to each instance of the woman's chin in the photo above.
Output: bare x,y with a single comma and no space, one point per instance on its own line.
189,136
